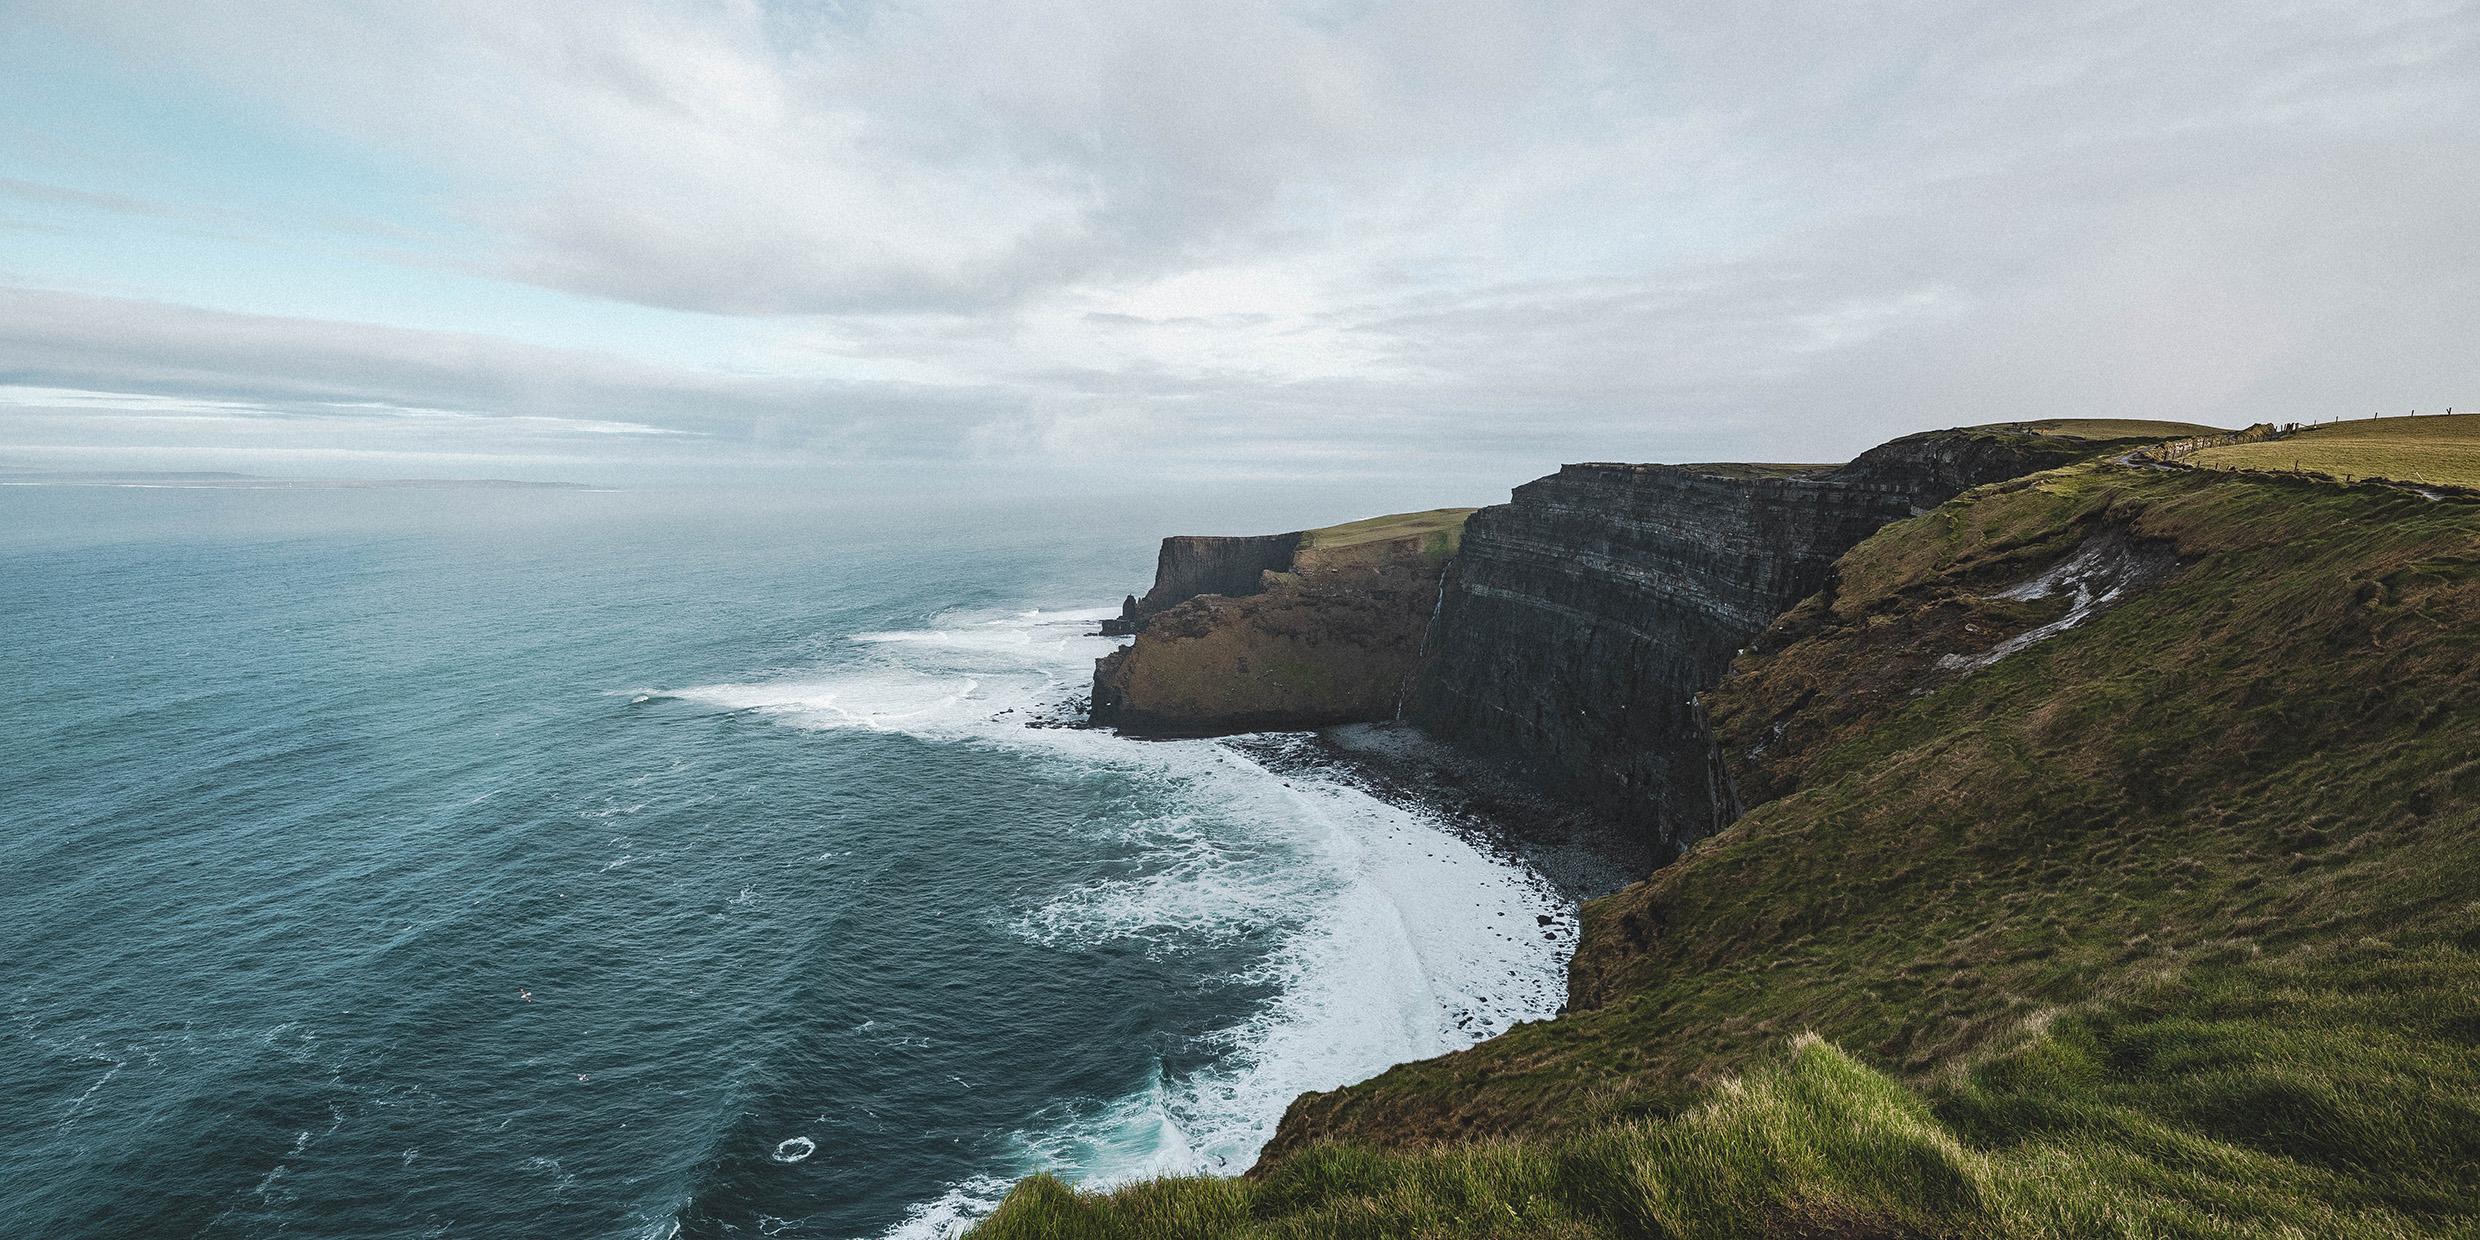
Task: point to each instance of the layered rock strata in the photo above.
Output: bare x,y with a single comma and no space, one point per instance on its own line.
1584,616
1567,638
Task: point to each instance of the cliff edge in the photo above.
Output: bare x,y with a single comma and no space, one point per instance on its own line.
1565,634
1283,631
2021,757
1584,616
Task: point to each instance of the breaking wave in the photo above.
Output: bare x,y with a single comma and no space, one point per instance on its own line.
1375,936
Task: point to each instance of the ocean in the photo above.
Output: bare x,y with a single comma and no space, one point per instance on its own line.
582,864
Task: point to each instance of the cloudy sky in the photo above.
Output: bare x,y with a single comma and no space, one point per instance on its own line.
1210,239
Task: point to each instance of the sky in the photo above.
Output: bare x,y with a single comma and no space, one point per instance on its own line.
1211,242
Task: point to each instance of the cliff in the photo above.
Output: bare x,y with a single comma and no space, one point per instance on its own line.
1284,631
1584,616
2254,751
2106,873
1572,629
1189,566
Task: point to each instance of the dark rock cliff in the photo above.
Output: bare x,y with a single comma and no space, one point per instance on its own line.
1570,634
1938,465
1582,618
1190,565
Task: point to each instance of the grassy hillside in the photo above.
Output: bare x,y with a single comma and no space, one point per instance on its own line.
2165,925
2442,450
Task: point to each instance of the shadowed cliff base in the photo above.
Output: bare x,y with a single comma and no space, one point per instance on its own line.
1488,804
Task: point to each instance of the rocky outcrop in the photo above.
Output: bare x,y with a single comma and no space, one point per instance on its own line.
1189,566
1936,466
1330,635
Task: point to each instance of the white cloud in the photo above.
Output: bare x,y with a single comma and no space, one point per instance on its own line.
1332,230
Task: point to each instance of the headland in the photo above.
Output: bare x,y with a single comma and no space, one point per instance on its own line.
2050,829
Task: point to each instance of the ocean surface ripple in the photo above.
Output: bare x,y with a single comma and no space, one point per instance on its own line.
500,874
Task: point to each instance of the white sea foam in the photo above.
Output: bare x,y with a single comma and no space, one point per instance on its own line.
975,675
1391,939
1400,942
947,1215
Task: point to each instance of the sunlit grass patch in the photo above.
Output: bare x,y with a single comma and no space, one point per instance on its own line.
1442,530
2442,450
1818,1142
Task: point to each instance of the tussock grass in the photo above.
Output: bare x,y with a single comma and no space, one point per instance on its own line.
1817,1141
2442,450
2333,1092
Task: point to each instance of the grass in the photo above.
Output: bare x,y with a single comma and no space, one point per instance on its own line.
2109,428
1441,531
2164,926
2298,1096
2272,743
2441,450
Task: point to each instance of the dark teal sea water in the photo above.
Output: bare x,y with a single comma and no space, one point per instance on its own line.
569,864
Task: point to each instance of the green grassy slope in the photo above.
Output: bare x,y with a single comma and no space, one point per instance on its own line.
2327,1094
2165,925
2442,449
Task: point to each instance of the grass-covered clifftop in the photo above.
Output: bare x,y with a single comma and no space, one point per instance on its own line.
1331,636
2165,924
1440,531
2438,450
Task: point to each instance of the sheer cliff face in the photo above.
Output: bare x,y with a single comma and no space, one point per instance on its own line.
1571,634
1583,617
1191,565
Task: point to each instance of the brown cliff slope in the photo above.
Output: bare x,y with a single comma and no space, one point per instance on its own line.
1333,638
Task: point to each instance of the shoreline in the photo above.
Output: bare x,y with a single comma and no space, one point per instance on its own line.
1490,809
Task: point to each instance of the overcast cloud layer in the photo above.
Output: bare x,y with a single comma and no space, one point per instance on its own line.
1339,238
